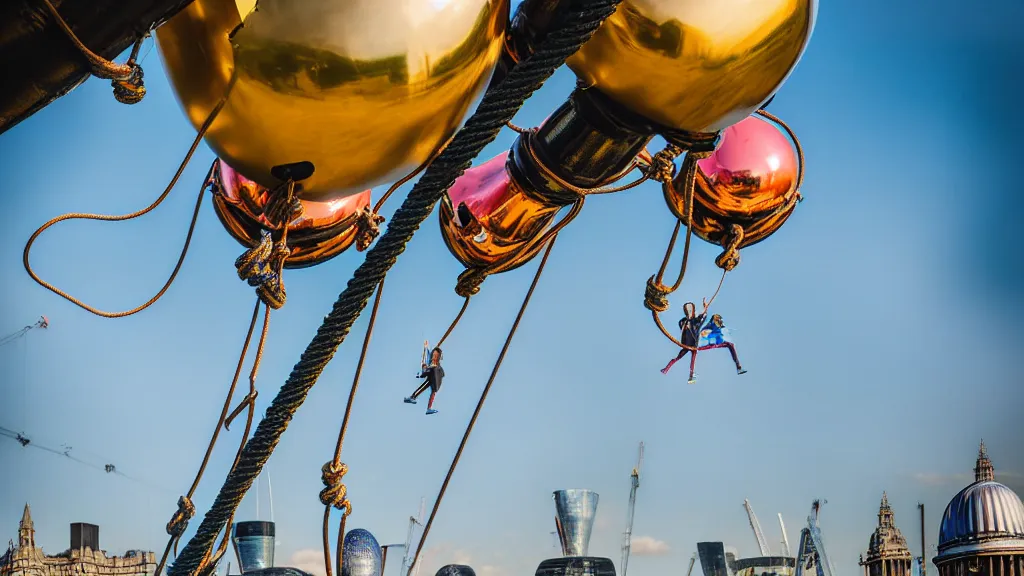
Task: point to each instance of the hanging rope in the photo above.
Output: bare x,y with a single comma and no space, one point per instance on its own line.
571,28
126,79
334,494
480,403
119,218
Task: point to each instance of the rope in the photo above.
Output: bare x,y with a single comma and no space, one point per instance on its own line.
480,403
571,29
334,494
126,79
118,218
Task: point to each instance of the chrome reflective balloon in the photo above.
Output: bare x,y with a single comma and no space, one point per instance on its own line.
365,90
362,554
487,217
695,65
751,180
324,230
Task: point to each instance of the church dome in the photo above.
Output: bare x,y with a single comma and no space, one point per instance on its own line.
983,517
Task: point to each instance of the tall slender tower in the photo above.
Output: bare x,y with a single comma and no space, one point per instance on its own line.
26,530
887,554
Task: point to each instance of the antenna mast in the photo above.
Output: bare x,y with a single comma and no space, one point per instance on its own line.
634,484
924,557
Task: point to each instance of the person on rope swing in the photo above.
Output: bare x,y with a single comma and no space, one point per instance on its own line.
432,374
690,326
715,335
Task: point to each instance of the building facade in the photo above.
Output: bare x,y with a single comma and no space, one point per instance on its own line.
83,558
982,530
887,553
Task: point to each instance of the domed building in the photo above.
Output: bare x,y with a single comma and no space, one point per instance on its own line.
982,530
888,554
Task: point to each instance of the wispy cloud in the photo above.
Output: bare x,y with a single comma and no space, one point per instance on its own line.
648,546
310,560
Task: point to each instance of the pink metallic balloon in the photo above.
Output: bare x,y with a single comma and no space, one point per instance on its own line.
753,171
251,197
501,216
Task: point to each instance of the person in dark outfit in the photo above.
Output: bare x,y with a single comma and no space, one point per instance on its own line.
690,326
715,335
433,374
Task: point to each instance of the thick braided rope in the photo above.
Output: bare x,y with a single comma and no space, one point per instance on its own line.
574,26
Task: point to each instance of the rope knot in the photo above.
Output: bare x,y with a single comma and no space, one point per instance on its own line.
469,282
261,265
130,90
663,166
283,207
335,492
179,522
368,225
656,296
730,256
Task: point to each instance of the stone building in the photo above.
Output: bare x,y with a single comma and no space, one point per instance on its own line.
982,530
887,554
83,558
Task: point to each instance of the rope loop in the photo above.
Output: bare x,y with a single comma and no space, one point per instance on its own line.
469,282
335,493
130,90
179,522
656,295
663,166
260,267
368,227
730,256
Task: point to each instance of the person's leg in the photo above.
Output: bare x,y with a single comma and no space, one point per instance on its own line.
735,358
674,360
416,394
693,364
433,394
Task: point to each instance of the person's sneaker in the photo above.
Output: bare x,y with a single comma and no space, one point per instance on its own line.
692,380
431,411
409,400
741,371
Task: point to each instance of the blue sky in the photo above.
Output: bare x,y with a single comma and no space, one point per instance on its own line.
879,326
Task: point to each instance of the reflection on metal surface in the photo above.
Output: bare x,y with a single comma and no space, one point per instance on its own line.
366,90
750,180
576,511
487,217
254,545
576,566
362,554
695,65
324,230
455,570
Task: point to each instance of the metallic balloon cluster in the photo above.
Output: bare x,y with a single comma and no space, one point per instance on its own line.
696,74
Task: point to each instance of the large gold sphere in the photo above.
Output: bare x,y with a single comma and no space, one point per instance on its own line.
365,90
695,65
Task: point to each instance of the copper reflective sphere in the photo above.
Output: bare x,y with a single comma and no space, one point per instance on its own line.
324,230
695,65
487,217
366,90
750,180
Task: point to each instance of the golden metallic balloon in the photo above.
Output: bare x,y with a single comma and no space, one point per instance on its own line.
324,230
488,218
365,90
695,65
750,180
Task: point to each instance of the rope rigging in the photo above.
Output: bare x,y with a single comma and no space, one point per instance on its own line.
571,29
43,323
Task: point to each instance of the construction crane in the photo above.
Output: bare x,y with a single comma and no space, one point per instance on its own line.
407,568
634,478
693,559
811,552
756,527
785,540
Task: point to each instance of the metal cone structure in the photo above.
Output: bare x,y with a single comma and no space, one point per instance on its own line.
575,513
